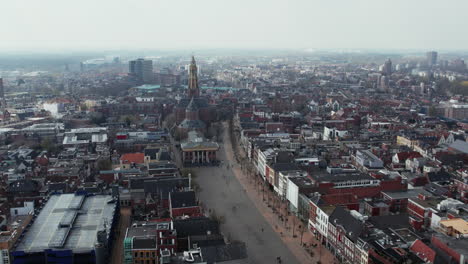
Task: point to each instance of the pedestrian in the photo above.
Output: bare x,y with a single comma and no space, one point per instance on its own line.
262,229
279,260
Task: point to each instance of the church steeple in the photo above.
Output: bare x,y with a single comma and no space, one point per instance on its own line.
193,89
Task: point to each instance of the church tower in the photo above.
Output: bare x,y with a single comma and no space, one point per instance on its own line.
193,89
191,112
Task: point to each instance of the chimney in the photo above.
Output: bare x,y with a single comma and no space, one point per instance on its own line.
422,196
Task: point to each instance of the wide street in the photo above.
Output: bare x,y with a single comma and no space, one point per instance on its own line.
236,199
222,192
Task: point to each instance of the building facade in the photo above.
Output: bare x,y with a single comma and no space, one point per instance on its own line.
142,69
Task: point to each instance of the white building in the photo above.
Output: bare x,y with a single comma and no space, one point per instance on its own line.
365,158
263,158
56,109
293,183
44,129
332,133
27,208
321,221
84,136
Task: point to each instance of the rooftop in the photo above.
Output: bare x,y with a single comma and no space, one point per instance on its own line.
206,145
411,193
352,226
427,202
183,199
69,221
148,87
137,158
406,234
325,177
147,229
301,182
196,227
460,146
146,242
459,245
458,224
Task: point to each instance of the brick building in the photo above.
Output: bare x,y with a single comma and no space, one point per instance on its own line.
183,204
421,209
398,201
344,230
146,243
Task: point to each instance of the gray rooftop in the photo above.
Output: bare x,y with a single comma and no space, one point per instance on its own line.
69,221
458,245
410,193
460,146
325,177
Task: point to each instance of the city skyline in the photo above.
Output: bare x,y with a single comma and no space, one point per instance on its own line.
300,25
248,131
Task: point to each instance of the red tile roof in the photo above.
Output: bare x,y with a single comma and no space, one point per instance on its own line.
423,251
403,156
137,158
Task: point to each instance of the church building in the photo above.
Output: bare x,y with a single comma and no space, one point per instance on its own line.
195,113
199,104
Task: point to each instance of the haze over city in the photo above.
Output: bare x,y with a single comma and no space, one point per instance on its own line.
55,25
233,132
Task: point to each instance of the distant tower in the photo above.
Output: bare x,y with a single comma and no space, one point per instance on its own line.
2,97
193,89
383,83
431,58
142,69
387,68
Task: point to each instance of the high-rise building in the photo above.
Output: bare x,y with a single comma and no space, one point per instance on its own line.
193,89
387,68
142,69
2,97
384,83
1,88
431,58
458,65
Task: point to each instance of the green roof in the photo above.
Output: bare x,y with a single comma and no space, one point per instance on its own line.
157,86
216,88
219,88
149,86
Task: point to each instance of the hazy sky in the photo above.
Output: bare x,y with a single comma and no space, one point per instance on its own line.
195,24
